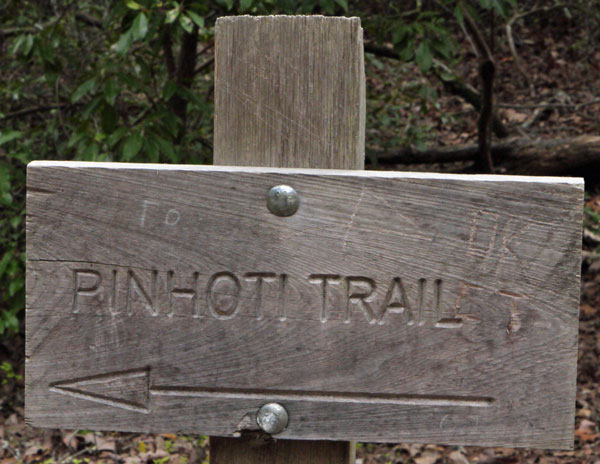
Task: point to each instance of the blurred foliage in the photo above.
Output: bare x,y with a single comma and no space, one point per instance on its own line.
591,222
110,80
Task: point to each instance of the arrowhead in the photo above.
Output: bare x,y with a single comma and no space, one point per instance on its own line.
125,390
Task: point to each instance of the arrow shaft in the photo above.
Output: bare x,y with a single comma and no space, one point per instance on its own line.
328,397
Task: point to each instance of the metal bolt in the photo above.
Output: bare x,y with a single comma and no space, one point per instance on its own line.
283,200
272,418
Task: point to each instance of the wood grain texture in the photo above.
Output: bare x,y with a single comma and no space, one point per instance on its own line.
449,312
289,92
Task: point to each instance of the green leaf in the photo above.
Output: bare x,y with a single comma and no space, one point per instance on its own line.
198,20
132,5
151,150
400,34
83,89
343,4
245,5
140,26
28,44
167,148
9,322
109,118
407,52
328,6
4,179
419,29
15,221
500,8
131,81
91,107
111,90
458,13
14,286
16,45
6,198
186,24
132,146
90,151
114,138
443,47
189,95
6,137
375,62
124,43
169,89
75,138
4,261
447,77
172,15
428,93
172,124
423,56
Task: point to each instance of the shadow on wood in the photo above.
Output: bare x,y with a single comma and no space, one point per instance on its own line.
244,451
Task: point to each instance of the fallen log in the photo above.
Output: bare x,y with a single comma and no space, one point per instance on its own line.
521,155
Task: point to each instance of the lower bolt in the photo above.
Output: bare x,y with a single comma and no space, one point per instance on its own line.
272,418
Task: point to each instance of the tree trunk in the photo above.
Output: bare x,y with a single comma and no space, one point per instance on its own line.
185,77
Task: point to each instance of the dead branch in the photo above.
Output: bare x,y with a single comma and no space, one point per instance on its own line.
515,55
484,162
204,49
455,87
204,65
33,110
476,36
487,69
590,256
89,19
552,106
10,31
519,155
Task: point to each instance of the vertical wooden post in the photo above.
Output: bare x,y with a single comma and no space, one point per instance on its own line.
244,451
289,92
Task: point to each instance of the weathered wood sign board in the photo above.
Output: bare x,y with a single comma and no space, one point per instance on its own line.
391,307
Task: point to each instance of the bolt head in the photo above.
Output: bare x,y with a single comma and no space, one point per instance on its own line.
283,200
272,418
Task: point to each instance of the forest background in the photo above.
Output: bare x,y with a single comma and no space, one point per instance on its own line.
500,86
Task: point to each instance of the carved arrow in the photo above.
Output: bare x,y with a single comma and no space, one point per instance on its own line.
131,390
126,389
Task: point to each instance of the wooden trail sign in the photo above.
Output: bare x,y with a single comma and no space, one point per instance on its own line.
390,307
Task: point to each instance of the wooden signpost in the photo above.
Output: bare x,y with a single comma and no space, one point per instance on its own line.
374,306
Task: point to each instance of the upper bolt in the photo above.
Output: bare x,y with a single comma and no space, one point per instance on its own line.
283,200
